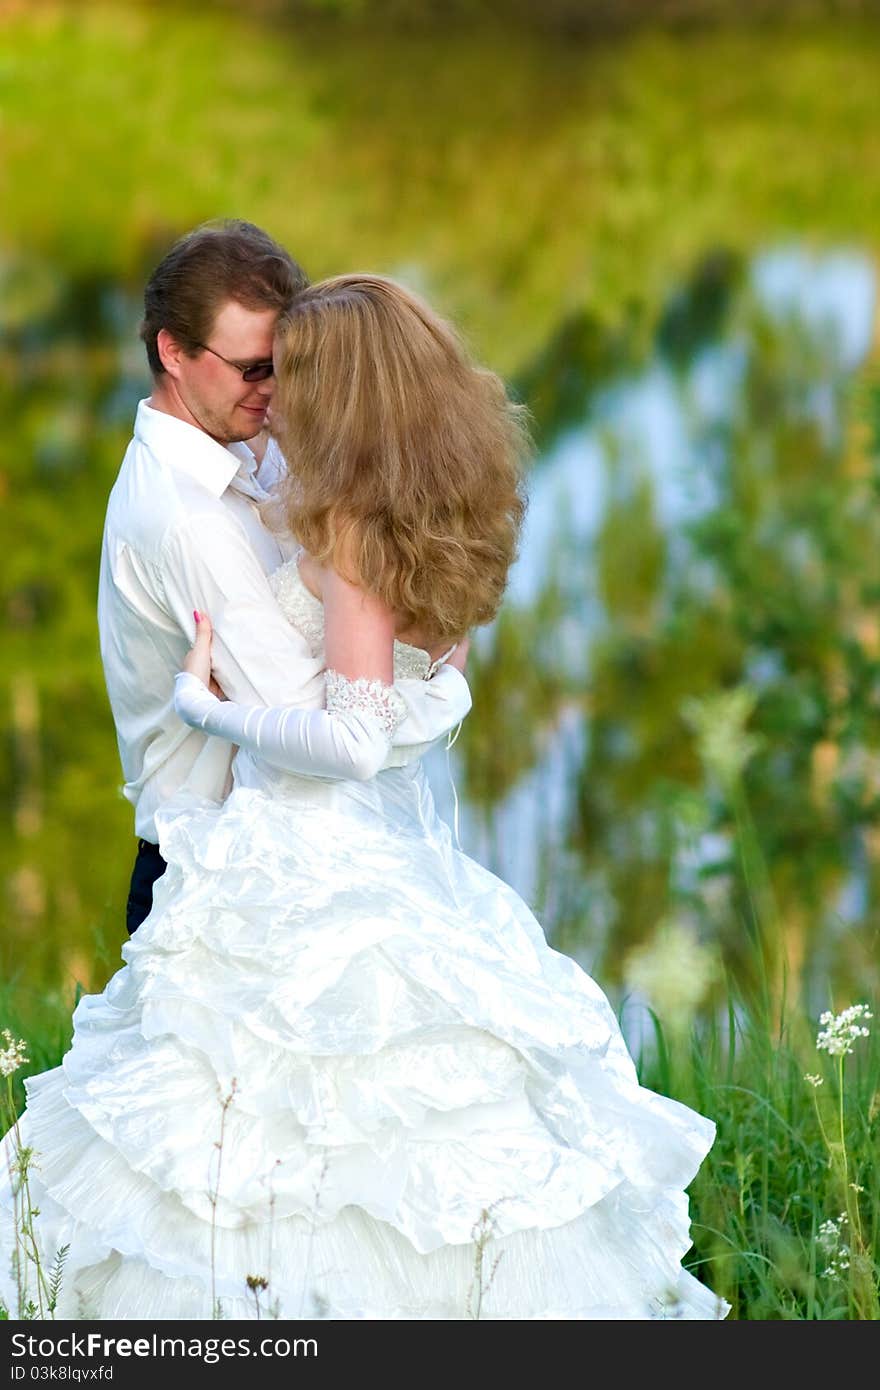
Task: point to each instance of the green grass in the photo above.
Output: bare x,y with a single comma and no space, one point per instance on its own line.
769,1183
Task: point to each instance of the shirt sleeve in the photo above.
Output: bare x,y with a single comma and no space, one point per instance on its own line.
258,657
433,709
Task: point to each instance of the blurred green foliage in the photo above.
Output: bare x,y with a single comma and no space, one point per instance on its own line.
518,178
572,18
772,584
584,211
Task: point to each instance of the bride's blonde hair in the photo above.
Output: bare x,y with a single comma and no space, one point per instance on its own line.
405,459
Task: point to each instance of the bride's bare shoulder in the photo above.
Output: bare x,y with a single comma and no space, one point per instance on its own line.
311,573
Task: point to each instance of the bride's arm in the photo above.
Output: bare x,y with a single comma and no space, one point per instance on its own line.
351,738
359,643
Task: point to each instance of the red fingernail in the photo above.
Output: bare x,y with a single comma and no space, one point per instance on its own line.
197,615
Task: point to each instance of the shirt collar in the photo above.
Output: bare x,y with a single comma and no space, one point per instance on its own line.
189,450
245,476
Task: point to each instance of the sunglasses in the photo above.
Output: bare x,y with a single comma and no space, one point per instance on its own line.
257,371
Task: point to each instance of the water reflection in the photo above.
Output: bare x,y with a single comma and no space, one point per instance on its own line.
702,515
707,521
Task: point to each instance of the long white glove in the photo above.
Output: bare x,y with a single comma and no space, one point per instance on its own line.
351,738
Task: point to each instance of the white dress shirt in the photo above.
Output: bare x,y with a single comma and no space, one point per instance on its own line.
183,531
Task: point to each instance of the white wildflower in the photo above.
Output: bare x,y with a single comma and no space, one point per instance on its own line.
719,722
813,1079
828,1236
830,1242
840,1031
13,1055
856,1187
838,1264
674,970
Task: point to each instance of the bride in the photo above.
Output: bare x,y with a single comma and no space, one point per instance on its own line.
342,1070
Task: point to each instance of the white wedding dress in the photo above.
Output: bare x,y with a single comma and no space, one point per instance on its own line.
433,1114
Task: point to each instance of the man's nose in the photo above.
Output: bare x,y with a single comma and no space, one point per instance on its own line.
266,388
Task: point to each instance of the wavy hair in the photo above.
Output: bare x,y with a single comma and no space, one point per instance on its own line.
405,459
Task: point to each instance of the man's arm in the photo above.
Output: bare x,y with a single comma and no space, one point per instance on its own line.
259,658
433,709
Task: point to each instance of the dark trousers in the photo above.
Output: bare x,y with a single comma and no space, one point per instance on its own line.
148,866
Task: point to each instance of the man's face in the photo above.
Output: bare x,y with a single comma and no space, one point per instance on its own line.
214,392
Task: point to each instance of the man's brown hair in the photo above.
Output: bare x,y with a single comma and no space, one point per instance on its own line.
219,261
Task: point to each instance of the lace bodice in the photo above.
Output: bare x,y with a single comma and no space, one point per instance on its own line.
306,613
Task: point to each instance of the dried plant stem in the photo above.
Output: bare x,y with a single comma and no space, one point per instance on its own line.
27,1250
482,1233
216,1310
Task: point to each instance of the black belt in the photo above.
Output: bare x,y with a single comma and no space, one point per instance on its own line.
148,848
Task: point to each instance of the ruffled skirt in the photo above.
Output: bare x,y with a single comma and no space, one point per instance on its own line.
342,1059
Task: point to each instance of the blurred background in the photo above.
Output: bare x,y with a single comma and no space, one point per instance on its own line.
660,222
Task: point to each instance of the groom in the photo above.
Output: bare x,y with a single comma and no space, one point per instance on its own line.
183,531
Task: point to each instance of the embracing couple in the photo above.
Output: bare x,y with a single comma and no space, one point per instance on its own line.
422,1110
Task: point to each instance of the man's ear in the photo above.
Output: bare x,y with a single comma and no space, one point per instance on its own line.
170,352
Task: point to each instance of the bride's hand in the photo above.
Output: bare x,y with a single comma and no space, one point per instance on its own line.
198,659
